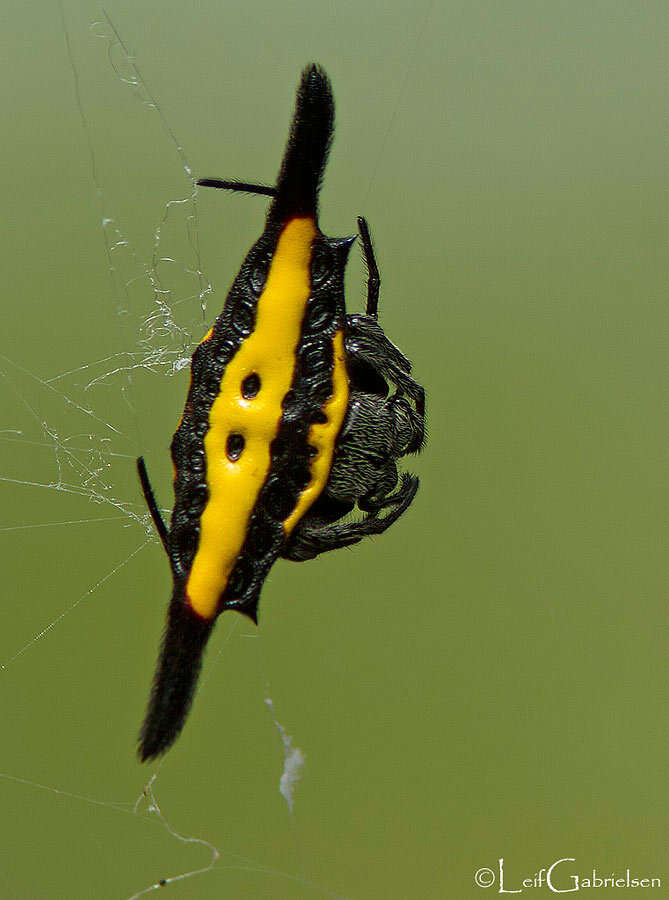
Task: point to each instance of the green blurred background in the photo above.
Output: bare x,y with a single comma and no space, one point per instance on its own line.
489,678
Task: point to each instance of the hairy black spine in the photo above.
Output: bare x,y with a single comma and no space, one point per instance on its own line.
174,683
307,150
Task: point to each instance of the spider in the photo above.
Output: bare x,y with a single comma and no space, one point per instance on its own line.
289,421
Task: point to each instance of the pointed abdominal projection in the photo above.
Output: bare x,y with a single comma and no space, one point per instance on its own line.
296,414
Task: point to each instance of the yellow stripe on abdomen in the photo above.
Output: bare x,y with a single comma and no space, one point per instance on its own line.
322,436
270,353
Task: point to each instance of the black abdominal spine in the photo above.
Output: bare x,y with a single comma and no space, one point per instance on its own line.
179,665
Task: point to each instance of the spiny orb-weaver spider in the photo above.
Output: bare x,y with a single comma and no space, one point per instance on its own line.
289,422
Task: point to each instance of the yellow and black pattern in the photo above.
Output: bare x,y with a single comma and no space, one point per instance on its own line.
287,424
266,450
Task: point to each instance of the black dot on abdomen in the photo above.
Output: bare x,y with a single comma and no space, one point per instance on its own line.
234,446
250,386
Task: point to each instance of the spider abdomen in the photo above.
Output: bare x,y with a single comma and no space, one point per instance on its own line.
272,425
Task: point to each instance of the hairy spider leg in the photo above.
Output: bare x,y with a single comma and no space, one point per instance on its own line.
367,342
373,277
312,539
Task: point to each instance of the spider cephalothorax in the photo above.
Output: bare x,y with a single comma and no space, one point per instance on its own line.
289,422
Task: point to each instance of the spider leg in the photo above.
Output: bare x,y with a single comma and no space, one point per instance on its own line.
409,426
373,277
366,341
379,496
367,330
150,498
309,539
